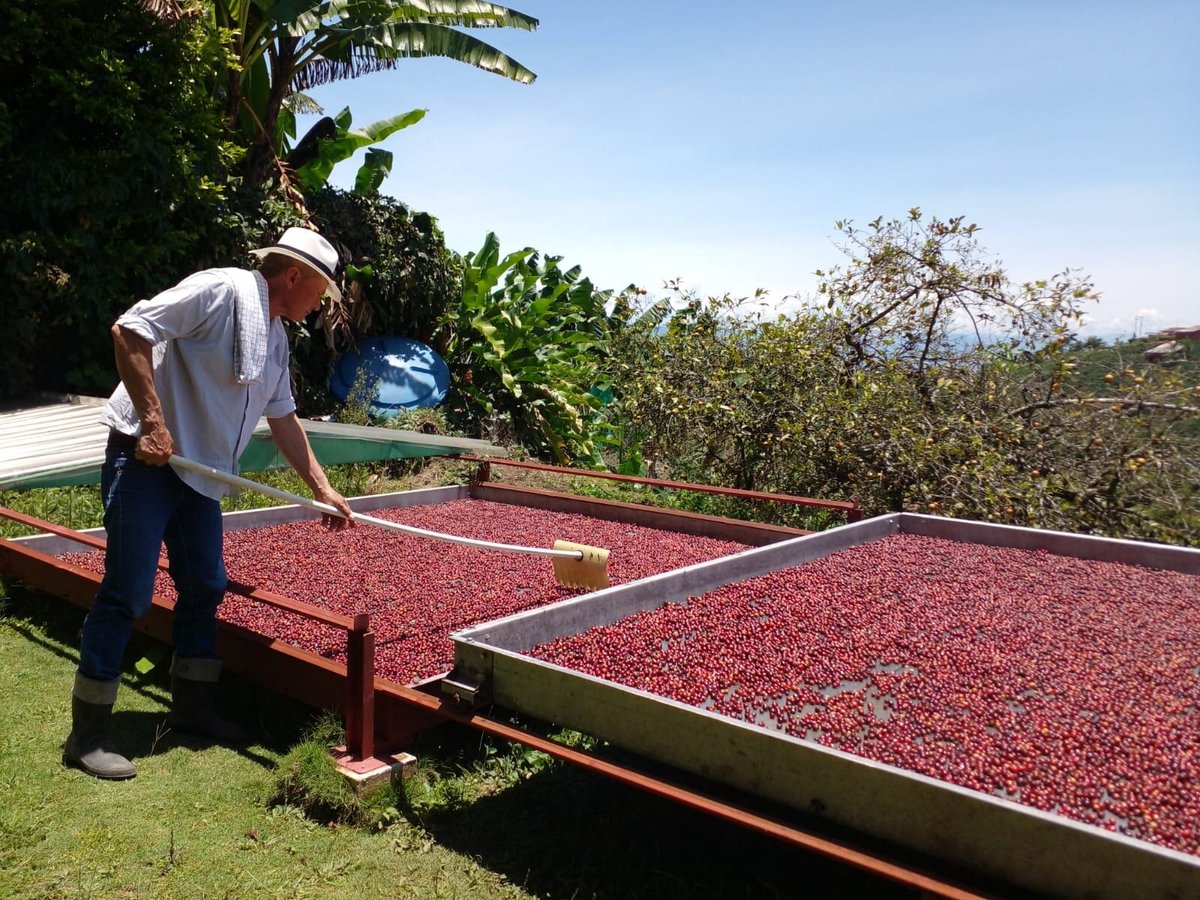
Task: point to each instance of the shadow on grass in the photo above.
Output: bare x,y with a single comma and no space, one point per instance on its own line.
568,833
275,722
143,734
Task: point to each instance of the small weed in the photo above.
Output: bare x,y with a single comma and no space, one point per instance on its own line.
170,861
161,730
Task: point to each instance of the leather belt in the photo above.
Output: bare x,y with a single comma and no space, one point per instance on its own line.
124,442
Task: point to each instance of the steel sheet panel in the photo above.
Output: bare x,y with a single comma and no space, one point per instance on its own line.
1002,839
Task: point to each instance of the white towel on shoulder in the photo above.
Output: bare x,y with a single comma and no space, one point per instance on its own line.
252,324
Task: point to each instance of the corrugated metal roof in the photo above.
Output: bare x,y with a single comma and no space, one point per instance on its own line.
59,434
60,441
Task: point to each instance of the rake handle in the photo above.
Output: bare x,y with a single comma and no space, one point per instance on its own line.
237,481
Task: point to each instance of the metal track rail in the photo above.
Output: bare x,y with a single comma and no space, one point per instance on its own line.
927,884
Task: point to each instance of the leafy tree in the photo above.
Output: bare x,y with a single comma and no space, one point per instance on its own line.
694,388
113,183
925,382
525,347
919,291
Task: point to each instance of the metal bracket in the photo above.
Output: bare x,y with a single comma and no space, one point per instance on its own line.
465,690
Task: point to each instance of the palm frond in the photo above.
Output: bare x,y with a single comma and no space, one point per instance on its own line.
169,12
353,52
464,14
302,104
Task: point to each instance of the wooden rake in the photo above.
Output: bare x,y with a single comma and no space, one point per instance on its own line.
575,565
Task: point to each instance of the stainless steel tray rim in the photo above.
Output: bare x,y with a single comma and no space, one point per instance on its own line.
805,746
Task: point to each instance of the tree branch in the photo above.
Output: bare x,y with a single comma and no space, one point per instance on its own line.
1102,401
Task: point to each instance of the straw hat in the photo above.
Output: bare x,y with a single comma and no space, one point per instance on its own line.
311,249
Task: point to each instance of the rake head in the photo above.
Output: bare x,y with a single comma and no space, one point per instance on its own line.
589,571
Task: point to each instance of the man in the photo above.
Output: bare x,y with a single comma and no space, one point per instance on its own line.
199,364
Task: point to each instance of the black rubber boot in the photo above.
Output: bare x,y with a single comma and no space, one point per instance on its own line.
88,746
194,702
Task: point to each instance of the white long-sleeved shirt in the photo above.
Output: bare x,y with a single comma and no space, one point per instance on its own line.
210,414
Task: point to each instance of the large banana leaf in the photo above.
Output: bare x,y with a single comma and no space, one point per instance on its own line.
529,334
349,50
345,143
281,47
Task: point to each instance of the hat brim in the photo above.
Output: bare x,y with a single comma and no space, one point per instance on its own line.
333,291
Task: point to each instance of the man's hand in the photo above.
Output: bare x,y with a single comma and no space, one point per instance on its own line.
155,446
333,498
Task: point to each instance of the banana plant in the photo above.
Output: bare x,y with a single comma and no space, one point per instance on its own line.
334,142
526,343
280,48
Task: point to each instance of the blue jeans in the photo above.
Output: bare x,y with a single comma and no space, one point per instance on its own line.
144,507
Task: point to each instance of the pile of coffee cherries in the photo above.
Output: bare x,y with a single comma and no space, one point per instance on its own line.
418,591
1068,685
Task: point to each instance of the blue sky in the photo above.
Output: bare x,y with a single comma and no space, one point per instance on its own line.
719,144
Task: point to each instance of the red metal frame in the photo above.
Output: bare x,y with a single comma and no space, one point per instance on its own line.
381,712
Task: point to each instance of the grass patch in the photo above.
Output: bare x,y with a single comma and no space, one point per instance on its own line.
307,778
199,820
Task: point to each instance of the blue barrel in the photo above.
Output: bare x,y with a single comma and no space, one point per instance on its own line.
407,374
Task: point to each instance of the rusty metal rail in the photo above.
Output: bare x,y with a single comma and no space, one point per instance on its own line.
928,885
852,510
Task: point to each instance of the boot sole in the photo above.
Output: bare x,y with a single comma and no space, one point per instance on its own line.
77,764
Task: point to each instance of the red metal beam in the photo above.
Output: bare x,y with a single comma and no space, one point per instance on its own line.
360,689
692,799
850,508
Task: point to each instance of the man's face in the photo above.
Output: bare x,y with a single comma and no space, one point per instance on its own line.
302,293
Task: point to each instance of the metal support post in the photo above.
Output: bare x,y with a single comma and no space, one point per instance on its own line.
360,688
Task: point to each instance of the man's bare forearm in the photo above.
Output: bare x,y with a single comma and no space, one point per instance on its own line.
292,442
135,365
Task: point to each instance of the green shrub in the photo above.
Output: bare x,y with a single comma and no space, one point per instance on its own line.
112,170
307,777
525,348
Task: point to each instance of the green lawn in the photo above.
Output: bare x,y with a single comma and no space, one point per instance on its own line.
484,821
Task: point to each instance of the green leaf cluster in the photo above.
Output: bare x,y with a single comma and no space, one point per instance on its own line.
344,143
525,346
